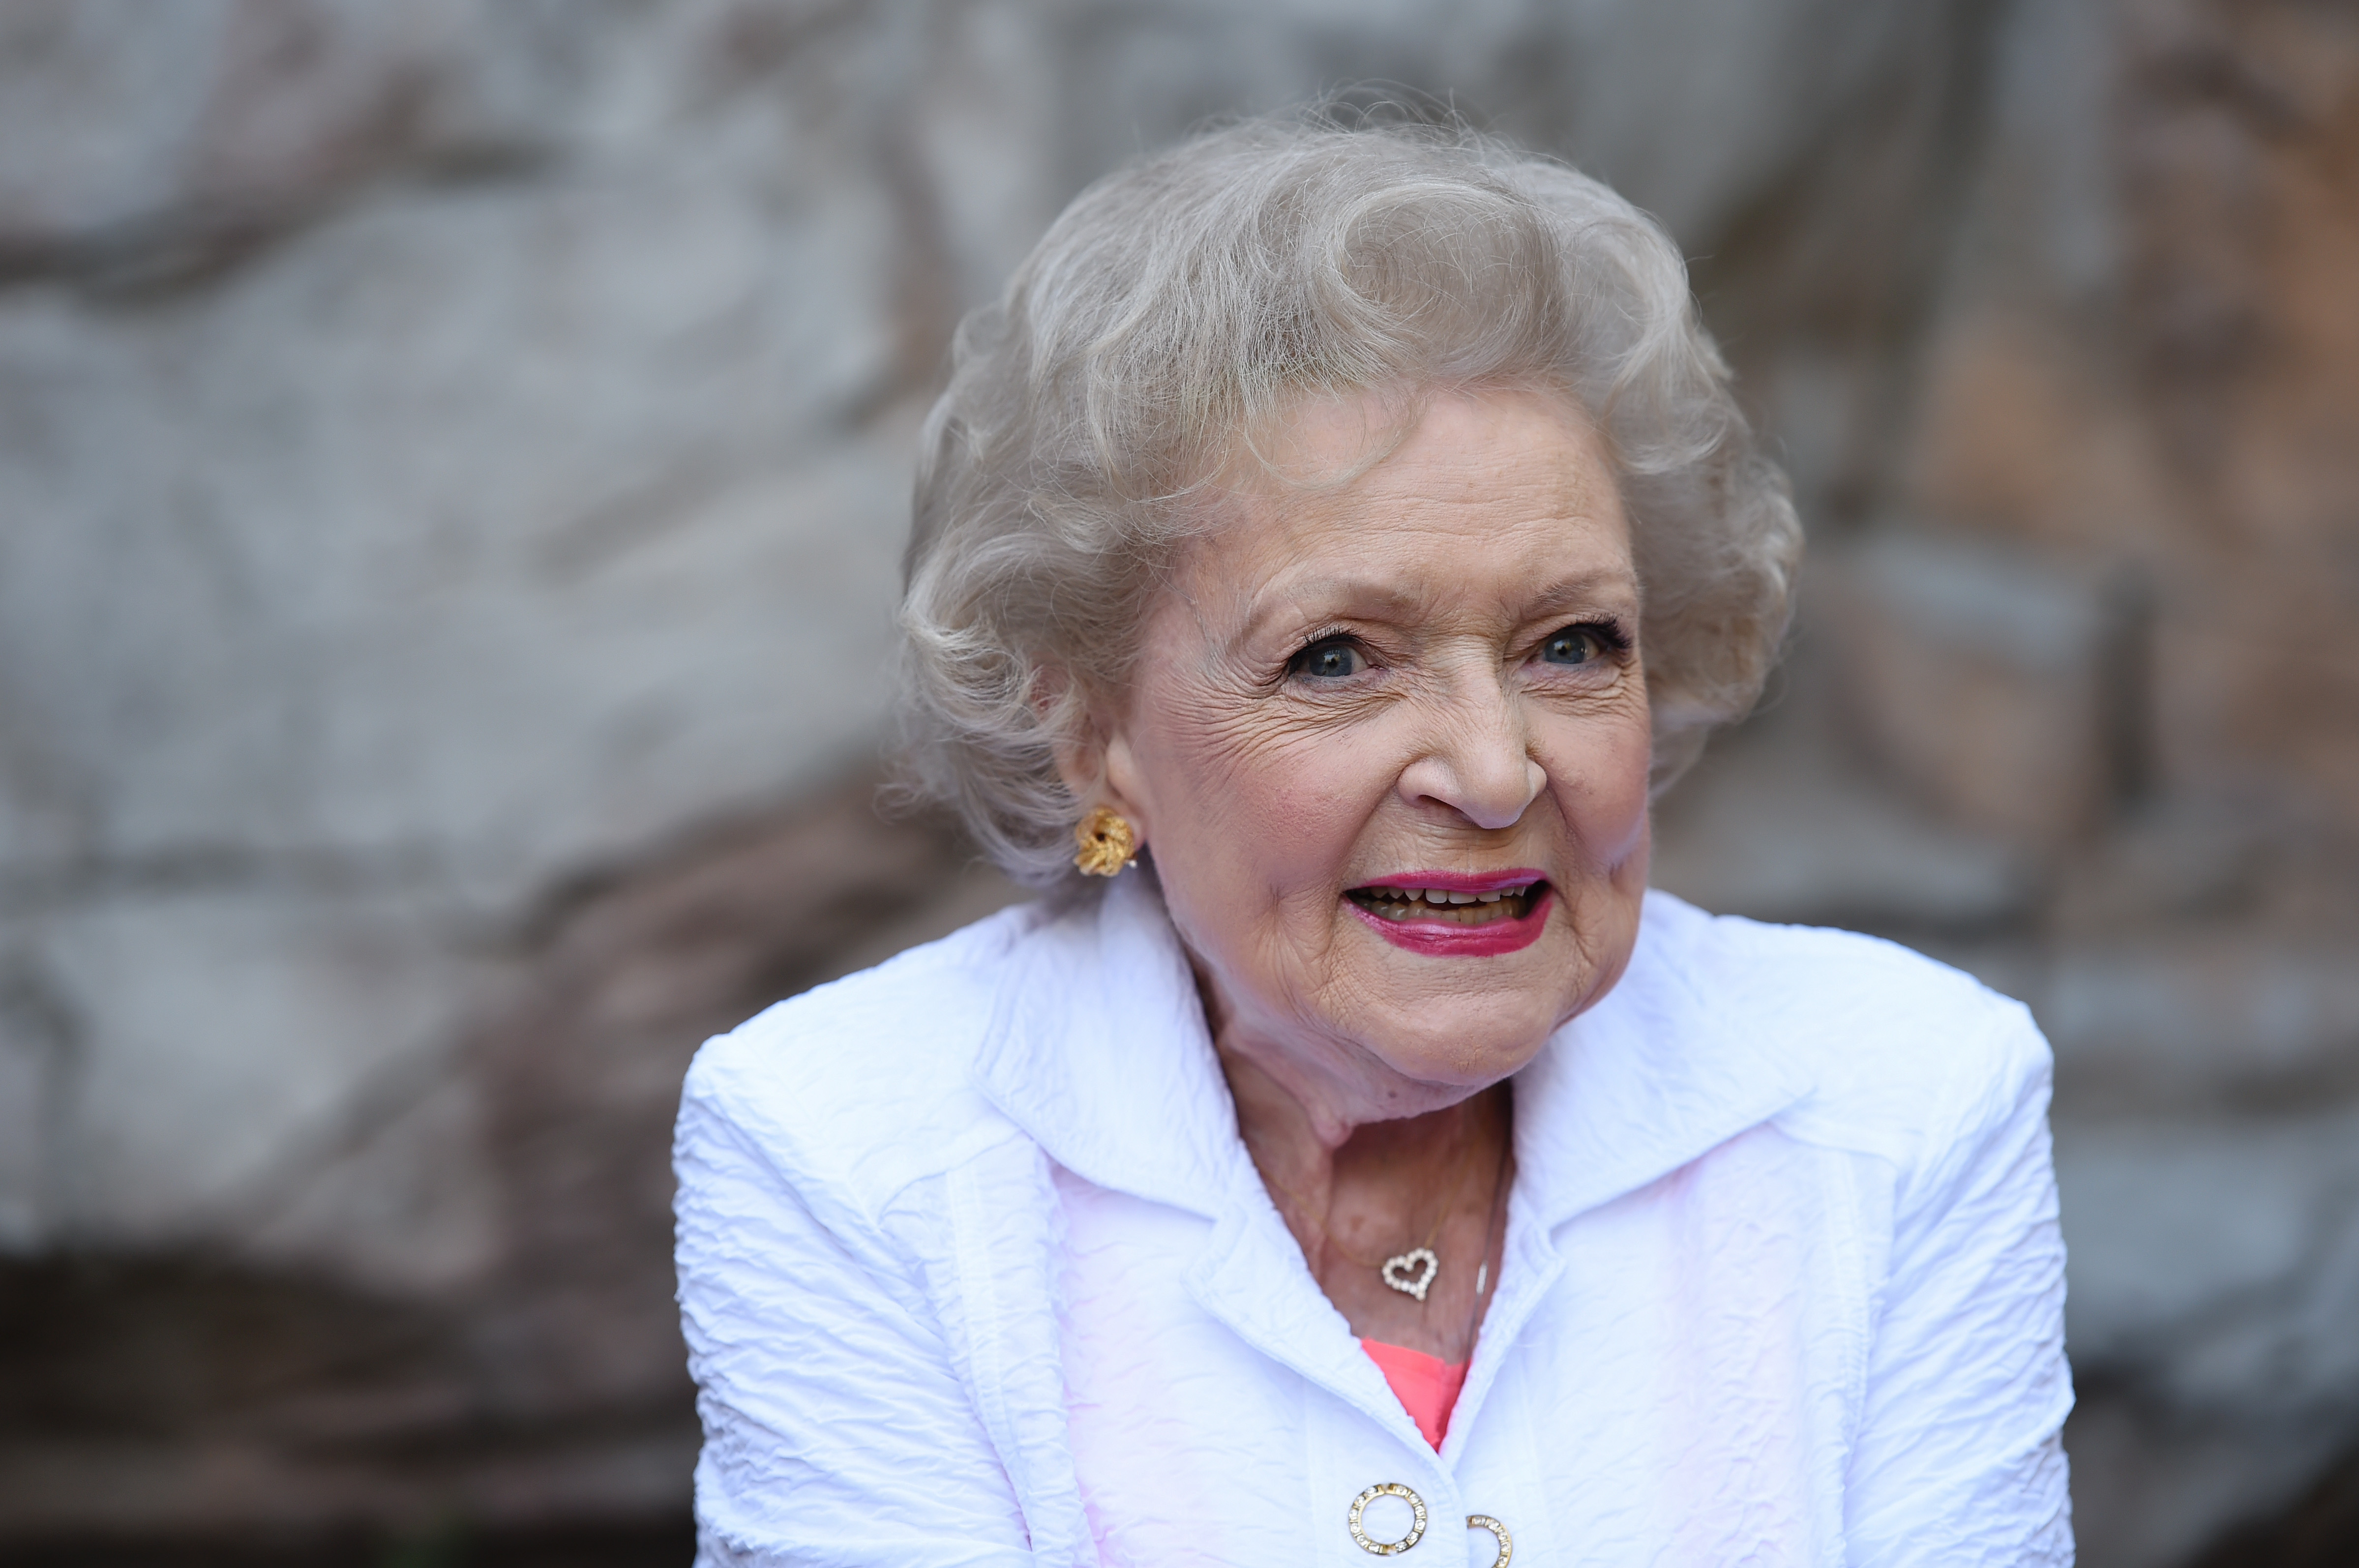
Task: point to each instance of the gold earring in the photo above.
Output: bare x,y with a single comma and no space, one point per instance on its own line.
1108,843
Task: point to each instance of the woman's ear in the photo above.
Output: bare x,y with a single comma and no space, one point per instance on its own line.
1094,759
1081,763
1122,787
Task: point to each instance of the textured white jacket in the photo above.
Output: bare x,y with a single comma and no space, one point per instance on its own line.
976,1270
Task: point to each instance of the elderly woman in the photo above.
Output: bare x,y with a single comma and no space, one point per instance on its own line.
1337,533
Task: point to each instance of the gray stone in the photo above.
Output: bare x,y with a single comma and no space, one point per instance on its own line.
37,1037
2244,1021
1781,825
269,1021
1983,677
2154,1485
453,460
2218,1258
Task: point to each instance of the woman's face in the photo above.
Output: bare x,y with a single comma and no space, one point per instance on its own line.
1387,743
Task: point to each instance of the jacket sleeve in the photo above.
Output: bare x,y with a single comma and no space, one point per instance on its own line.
1959,1459
837,1430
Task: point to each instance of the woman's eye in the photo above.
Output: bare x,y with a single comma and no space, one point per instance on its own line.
1573,645
1329,659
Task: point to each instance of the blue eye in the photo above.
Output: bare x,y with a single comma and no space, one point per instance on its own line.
1575,645
1330,658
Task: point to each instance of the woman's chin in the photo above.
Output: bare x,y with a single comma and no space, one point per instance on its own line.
1464,1059
1442,1018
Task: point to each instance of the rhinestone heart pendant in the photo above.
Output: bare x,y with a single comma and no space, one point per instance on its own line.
1420,1259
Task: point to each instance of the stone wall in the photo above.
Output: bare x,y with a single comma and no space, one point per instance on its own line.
453,468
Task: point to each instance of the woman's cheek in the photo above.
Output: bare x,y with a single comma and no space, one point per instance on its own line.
1281,803
1625,808
1597,767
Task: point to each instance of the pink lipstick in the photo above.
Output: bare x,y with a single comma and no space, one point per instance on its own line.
1456,914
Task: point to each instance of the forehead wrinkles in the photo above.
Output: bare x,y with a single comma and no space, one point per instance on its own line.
1383,554
1448,496
1333,454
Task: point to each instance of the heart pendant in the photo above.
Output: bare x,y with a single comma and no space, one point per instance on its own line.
1396,1272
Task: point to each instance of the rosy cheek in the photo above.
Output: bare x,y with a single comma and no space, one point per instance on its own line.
1209,816
1281,839
1630,810
1604,797
1316,811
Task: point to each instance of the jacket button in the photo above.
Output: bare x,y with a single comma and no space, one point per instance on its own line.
1417,1525
1506,1541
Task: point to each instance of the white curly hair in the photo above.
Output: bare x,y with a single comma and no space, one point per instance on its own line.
1180,304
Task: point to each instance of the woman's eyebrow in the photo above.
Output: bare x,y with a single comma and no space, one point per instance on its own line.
1584,591
1359,597
1364,599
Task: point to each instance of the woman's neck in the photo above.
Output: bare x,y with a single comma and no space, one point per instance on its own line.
1310,1141
1314,1096
1364,1197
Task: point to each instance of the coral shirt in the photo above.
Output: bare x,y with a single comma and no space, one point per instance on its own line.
1427,1386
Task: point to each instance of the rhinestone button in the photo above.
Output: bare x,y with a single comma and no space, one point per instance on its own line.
1387,1548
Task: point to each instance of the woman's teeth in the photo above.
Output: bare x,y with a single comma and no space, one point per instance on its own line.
1446,904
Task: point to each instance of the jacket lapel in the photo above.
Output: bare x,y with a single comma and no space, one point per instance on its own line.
1653,1077
1097,1049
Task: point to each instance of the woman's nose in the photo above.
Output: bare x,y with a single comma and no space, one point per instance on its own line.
1478,763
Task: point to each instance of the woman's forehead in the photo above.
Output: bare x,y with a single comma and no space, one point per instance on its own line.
1321,441
1482,500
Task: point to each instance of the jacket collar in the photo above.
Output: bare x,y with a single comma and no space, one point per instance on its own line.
1654,1075
1097,1049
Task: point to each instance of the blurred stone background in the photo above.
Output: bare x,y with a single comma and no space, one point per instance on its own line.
453,459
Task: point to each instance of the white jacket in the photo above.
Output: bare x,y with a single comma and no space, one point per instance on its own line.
975,1271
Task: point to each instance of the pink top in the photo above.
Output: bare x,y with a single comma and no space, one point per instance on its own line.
1427,1386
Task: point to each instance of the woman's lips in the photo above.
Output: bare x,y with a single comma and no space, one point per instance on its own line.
1440,903
1454,914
